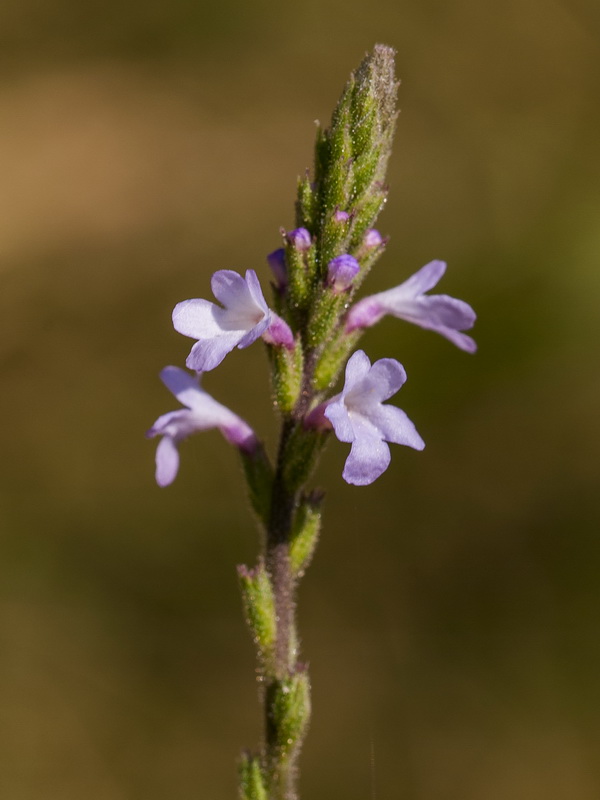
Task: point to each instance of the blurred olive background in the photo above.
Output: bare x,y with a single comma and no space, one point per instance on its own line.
451,614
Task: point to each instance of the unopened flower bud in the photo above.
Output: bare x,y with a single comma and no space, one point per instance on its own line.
279,333
372,238
276,260
341,216
341,271
300,238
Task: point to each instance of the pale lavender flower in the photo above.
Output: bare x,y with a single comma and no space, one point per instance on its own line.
341,271
358,416
445,315
243,319
202,412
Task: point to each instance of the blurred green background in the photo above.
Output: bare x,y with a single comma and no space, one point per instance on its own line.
451,614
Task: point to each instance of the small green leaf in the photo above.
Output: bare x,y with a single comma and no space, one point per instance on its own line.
289,710
259,604
259,479
287,376
252,784
305,532
332,360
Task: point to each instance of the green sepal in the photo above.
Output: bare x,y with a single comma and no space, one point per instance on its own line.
306,205
287,376
327,309
334,189
299,283
335,238
366,258
332,360
373,109
301,270
259,479
259,604
305,532
363,113
252,784
321,154
366,213
288,702
364,171
299,457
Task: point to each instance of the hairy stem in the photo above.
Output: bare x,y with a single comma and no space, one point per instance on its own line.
278,558
279,763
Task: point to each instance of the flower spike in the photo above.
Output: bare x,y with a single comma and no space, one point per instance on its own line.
445,315
244,317
358,416
202,413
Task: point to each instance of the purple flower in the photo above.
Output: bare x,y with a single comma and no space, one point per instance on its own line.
243,319
358,416
438,312
341,271
201,414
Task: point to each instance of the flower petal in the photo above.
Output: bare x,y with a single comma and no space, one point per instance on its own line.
394,426
337,413
442,314
176,424
256,332
167,461
436,311
461,340
184,386
255,290
208,353
422,281
229,288
368,459
197,318
357,368
383,380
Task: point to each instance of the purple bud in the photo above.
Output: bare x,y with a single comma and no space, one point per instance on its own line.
300,238
247,573
341,271
316,420
372,238
276,260
341,216
279,333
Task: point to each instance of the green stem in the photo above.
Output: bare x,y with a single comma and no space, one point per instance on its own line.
279,763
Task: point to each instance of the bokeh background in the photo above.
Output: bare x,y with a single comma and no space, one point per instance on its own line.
451,614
